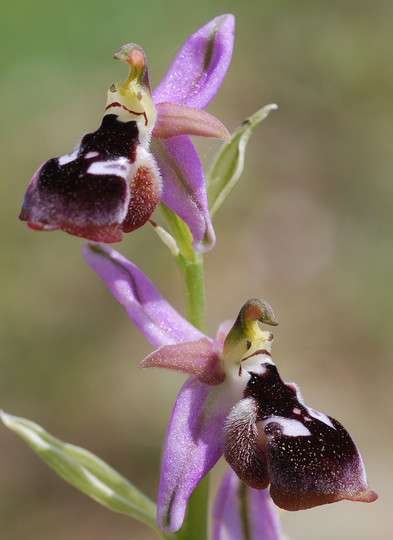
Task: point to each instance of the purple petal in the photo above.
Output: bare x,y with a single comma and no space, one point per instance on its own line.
154,316
200,66
236,502
192,448
200,358
174,119
184,187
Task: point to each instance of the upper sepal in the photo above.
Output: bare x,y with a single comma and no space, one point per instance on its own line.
200,66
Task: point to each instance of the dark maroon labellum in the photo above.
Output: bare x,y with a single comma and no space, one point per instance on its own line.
97,191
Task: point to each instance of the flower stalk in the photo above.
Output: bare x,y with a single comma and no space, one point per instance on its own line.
190,263
193,279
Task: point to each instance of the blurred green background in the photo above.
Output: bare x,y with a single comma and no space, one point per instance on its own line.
309,229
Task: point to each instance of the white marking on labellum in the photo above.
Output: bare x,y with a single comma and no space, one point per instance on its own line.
63,160
320,416
296,410
290,427
90,155
116,167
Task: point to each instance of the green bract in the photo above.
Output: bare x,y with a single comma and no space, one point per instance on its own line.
228,165
85,471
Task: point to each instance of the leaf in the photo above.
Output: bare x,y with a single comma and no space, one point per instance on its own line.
85,471
228,165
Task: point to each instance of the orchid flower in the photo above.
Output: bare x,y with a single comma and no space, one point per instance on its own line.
241,512
114,179
234,403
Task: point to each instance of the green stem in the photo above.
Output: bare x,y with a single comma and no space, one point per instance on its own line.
192,272
244,509
190,263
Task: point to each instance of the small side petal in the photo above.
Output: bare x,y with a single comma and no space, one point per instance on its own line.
199,358
184,188
154,316
200,66
192,448
174,119
241,512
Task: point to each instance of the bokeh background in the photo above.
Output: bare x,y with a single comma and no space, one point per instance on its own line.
309,229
